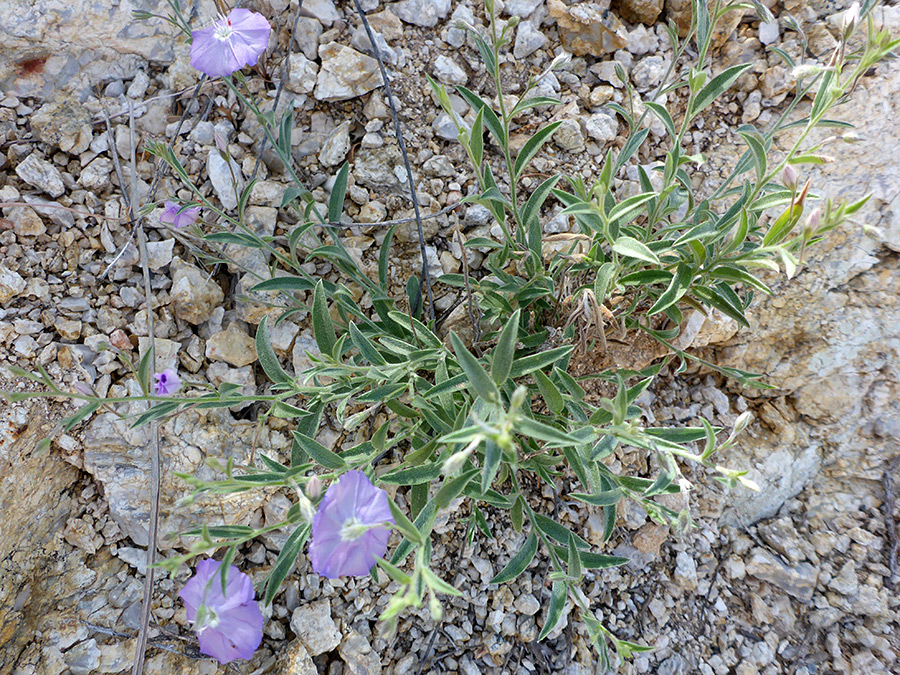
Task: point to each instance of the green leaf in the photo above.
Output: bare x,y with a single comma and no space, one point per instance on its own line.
394,572
677,288
573,560
338,194
383,258
284,131
627,209
716,86
476,139
491,121
452,487
528,364
318,452
492,457
404,524
631,146
543,432
556,531
519,562
757,146
285,561
550,393
604,498
85,411
531,148
632,248
284,284
143,370
323,328
479,380
714,298
532,209
532,102
554,613
664,116
365,347
504,351
266,354
415,475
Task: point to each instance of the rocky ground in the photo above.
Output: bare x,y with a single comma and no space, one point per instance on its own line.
799,579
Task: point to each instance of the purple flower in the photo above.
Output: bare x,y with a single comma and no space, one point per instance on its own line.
232,42
229,625
174,216
350,529
166,383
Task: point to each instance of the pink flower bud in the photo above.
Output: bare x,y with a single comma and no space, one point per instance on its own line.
789,177
813,220
314,488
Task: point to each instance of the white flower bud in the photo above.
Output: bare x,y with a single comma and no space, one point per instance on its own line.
850,21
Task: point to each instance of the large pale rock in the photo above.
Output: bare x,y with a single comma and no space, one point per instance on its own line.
424,13
638,11
586,28
118,457
68,44
36,501
345,73
829,339
194,297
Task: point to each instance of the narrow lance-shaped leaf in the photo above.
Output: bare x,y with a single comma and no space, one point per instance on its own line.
285,561
554,613
267,358
480,381
519,562
632,248
531,148
319,452
338,193
716,86
323,328
504,351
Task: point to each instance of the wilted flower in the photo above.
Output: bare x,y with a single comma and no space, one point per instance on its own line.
350,529
229,625
166,383
175,216
234,41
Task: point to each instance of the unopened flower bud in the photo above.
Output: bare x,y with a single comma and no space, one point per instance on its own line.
851,137
307,509
83,389
455,461
806,70
741,422
560,61
850,21
813,220
314,488
789,177
221,142
434,606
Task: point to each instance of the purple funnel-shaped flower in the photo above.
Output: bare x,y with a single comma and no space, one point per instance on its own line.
172,216
166,383
351,527
229,625
234,41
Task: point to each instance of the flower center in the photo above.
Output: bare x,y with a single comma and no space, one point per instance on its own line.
206,618
352,529
223,30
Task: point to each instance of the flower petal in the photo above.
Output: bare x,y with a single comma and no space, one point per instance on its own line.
237,635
